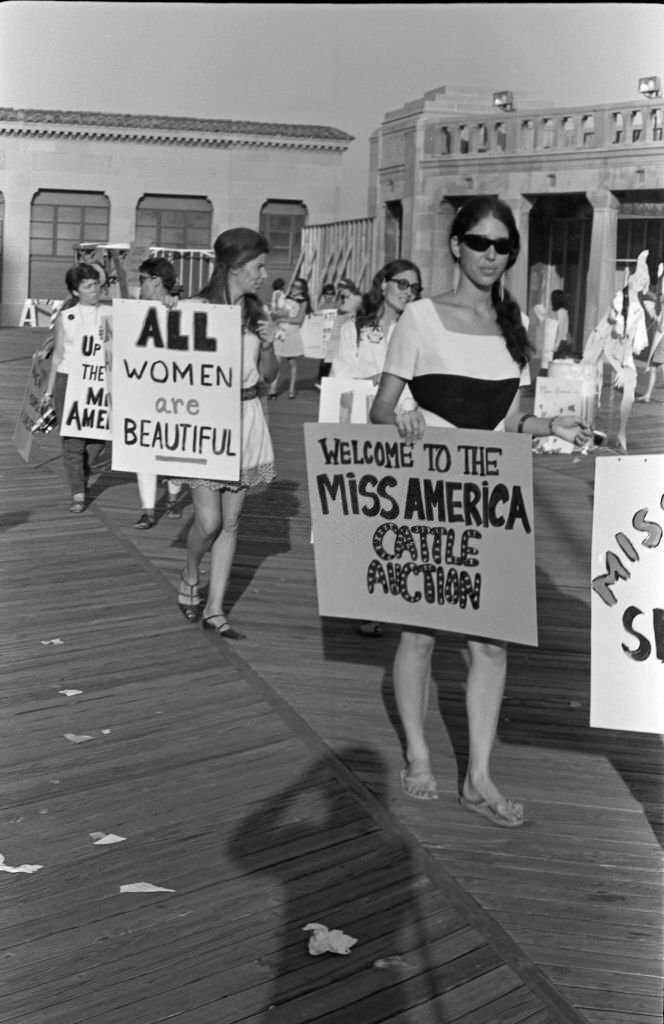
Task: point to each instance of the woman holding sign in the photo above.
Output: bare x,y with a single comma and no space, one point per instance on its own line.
78,330
238,273
464,355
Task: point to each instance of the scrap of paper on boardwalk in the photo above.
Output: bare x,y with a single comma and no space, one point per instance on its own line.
326,940
143,887
106,838
27,869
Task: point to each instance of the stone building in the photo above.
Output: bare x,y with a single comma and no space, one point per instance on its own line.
585,183
174,182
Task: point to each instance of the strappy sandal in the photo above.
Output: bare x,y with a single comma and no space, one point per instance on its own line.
189,600
224,629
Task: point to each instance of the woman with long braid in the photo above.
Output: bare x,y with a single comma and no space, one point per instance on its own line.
464,355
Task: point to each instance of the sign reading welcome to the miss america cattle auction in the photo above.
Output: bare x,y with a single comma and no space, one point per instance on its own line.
177,377
437,534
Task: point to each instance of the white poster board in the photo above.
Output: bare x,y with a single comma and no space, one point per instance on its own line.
627,595
437,534
315,332
30,410
177,377
87,405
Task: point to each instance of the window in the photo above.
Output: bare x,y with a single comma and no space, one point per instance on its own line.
281,222
588,129
618,127
637,125
501,136
464,138
58,222
548,133
528,134
445,142
175,222
569,131
656,123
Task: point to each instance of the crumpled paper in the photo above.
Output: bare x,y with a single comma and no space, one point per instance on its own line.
27,869
325,940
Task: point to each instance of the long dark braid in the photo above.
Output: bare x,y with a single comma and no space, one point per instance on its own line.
508,316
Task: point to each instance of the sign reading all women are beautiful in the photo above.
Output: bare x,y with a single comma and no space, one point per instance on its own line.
437,534
627,595
177,377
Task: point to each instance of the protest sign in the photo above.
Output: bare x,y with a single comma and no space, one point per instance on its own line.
87,403
570,389
315,331
177,378
627,595
29,412
437,534
345,400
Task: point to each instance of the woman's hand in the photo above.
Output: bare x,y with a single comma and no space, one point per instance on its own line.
410,424
266,331
571,429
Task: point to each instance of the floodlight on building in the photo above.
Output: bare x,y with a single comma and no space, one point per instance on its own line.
504,100
650,87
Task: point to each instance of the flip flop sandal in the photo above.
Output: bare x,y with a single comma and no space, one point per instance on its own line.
224,629
422,788
495,814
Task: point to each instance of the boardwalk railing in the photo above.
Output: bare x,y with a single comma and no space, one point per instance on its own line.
339,249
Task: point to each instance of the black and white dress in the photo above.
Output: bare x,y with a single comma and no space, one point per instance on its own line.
459,380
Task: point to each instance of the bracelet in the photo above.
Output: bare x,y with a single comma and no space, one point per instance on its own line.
522,420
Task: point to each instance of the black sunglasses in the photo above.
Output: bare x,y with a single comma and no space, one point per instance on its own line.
480,243
403,284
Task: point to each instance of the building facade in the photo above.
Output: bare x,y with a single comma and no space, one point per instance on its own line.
68,178
585,184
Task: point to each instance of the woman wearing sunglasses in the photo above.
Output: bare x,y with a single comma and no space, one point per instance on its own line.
362,343
363,340
464,355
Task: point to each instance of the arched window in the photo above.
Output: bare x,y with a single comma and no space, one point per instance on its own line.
58,222
445,141
175,222
281,221
548,133
464,138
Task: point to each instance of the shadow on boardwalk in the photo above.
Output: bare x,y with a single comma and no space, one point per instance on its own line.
312,814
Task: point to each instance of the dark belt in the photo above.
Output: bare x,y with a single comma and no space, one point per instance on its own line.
247,393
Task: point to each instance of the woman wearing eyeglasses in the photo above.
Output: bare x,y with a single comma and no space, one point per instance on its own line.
464,355
362,343
363,340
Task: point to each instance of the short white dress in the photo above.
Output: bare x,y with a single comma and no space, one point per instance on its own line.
257,454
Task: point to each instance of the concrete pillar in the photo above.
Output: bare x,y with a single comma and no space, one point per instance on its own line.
15,253
601,281
517,277
441,263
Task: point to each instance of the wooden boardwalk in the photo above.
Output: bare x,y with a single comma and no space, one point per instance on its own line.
259,781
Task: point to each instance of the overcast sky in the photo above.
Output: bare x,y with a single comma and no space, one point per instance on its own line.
343,65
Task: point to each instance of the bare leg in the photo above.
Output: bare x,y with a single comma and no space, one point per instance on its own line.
292,363
629,385
412,685
223,552
203,530
650,387
485,686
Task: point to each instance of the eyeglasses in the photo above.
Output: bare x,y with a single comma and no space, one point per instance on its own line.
342,296
403,284
142,278
480,243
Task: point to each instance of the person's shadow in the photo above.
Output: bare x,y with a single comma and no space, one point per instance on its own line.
264,531
334,868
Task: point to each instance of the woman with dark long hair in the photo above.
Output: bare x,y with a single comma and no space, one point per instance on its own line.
362,343
464,355
238,273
